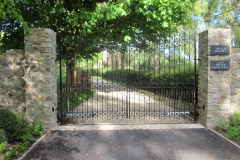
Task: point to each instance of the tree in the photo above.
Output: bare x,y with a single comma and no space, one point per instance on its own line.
221,14
10,12
82,25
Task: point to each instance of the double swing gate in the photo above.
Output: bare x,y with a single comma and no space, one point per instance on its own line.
134,82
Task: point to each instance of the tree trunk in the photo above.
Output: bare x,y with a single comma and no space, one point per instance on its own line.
71,64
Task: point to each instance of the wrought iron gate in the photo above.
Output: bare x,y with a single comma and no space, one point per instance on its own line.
134,82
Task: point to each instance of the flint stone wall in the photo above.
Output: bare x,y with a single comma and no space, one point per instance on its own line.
12,81
28,81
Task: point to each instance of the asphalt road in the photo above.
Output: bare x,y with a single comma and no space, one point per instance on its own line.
151,144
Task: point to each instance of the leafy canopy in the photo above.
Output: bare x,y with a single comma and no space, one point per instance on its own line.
77,21
220,14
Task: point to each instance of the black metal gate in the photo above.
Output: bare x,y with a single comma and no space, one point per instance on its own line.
136,82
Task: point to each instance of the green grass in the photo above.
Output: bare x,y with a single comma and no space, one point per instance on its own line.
75,101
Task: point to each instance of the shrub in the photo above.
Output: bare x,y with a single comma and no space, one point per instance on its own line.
222,125
38,128
235,119
126,75
24,132
232,128
3,147
234,133
3,137
9,123
27,130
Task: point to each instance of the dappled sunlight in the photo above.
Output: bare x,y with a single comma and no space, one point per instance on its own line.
116,103
188,153
183,144
107,127
132,97
137,151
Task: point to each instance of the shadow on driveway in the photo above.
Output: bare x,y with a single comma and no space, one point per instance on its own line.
169,144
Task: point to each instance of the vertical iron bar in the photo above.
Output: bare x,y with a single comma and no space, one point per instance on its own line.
164,64
169,73
159,93
122,69
195,79
174,73
128,82
117,78
101,109
148,87
108,76
134,66
85,89
60,67
127,74
180,88
139,68
96,84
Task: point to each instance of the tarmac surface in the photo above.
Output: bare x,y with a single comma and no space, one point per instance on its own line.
132,142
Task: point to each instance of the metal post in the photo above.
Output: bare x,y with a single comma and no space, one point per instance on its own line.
68,104
195,79
60,67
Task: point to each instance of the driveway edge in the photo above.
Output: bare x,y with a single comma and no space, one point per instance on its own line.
129,126
33,145
224,138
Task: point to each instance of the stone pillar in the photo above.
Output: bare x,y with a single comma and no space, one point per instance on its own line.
40,73
235,83
213,86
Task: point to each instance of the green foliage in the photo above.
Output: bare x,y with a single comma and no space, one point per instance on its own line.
232,128
179,74
28,130
77,19
3,137
9,123
25,130
98,72
80,25
25,136
234,133
38,128
64,74
10,154
75,100
219,14
235,119
165,76
3,147
124,75
24,146
8,10
222,125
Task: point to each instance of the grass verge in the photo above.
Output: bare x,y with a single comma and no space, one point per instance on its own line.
72,102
